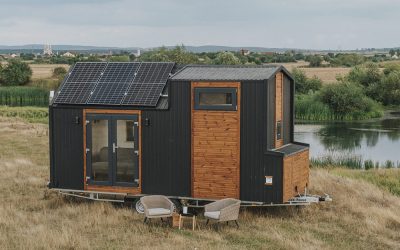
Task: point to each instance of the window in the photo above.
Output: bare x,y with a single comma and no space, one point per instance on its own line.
129,131
215,98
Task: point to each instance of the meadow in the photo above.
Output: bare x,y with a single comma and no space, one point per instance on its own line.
364,214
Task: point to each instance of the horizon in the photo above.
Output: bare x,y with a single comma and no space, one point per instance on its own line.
316,25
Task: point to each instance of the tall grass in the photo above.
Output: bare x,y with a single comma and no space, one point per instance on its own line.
310,107
29,114
351,162
24,96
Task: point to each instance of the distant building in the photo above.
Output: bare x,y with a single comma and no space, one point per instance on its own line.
47,50
14,55
245,52
68,54
395,57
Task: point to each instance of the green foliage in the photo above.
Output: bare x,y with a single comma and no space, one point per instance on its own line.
179,55
389,93
348,60
24,96
15,73
59,72
304,84
310,107
366,74
30,114
226,58
120,58
27,56
314,60
391,67
348,102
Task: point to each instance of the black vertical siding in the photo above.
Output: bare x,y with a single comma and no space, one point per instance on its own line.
271,113
254,164
166,145
273,166
287,109
66,148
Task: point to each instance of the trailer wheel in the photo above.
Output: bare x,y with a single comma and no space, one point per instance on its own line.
177,206
139,206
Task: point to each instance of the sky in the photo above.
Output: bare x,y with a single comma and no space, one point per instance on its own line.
304,24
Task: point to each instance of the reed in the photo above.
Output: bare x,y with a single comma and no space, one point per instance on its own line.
24,96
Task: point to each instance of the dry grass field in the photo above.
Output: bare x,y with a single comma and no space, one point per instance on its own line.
361,216
326,74
44,71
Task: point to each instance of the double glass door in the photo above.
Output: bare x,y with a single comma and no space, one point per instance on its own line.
112,150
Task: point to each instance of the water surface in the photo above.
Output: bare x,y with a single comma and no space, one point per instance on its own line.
377,140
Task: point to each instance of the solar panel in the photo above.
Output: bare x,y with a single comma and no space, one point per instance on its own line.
154,72
114,83
148,84
80,82
144,94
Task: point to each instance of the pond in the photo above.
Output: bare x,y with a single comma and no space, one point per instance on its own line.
376,141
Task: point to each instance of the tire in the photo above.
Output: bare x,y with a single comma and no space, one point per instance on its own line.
138,207
177,206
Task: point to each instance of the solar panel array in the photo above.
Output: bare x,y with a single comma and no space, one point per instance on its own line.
79,83
138,84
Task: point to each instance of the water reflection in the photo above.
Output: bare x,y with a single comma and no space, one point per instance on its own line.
376,140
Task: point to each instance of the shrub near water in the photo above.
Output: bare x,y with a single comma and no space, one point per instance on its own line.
309,107
23,96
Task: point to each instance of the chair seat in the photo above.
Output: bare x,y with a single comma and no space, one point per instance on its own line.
212,215
159,211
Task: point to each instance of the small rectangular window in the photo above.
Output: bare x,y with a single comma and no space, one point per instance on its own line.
215,98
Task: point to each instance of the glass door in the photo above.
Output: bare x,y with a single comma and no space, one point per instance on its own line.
112,150
126,150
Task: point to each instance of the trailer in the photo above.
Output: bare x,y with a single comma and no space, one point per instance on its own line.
194,133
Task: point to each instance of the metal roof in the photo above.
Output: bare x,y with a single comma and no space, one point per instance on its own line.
225,73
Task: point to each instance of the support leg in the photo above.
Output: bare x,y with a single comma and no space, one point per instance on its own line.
145,220
207,222
237,225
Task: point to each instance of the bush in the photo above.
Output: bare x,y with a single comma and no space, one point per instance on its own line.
310,107
304,84
59,72
366,75
15,73
314,60
389,89
23,96
348,101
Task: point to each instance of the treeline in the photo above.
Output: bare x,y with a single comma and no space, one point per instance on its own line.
361,94
182,56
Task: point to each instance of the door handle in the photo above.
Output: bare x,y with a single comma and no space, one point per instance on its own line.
114,147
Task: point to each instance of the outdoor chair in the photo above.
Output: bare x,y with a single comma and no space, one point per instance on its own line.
157,206
224,210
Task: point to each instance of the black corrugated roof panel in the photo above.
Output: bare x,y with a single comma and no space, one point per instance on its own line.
224,73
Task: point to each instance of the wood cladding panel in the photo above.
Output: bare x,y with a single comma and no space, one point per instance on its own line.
296,170
216,148
278,107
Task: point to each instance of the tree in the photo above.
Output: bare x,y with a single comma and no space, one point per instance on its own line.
15,72
390,88
365,75
392,52
226,58
347,99
303,84
314,60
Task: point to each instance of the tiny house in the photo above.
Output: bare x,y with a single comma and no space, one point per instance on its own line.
197,132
